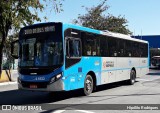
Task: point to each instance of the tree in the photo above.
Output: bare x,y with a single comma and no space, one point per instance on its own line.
17,13
95,18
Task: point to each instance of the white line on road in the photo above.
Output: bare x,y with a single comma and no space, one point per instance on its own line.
139,79
59,111
150,79
84,111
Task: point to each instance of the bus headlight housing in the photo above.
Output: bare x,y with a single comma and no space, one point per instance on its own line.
55,78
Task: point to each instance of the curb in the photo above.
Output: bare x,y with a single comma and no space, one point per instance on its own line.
8,83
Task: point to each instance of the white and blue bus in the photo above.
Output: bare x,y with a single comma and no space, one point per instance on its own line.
63,57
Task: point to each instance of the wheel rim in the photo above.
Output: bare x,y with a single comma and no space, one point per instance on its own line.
88,85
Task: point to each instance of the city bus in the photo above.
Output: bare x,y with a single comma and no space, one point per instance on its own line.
57,57
155,61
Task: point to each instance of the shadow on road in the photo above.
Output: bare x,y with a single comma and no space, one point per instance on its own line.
154,68
154,74
21,97
154,71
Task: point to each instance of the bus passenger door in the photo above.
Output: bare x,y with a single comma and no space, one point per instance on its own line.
72,65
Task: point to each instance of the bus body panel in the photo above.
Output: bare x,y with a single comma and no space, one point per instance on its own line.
109,65
75,75
116,69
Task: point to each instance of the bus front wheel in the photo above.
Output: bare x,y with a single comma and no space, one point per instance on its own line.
88,85
132,77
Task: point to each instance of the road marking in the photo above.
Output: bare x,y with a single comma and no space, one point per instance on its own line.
84,111
142,79
59,111
7,83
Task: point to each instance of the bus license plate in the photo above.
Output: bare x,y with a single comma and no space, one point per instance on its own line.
33,86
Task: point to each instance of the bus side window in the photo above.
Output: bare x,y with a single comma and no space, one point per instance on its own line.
128,48
76,48
135,49
112,45
89,44
121,47
73,48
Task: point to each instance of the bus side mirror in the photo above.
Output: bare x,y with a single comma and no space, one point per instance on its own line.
14,49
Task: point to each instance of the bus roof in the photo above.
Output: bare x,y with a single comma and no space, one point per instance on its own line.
105,32
122,36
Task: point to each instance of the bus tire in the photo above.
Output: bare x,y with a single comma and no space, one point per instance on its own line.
132,79
88,85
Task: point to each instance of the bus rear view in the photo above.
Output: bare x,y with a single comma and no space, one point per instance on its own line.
41,57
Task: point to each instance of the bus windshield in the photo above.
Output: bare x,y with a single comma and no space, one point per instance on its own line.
40,51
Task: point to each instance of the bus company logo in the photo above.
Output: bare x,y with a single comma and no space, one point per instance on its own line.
108,64
20,108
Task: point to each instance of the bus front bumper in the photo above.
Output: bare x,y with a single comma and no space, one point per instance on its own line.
41,86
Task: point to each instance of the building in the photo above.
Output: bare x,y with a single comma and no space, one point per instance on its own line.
154,44
154,40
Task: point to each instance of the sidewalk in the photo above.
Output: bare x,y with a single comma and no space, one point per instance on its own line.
8,83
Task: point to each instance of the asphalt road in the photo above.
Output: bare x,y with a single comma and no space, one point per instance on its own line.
111,98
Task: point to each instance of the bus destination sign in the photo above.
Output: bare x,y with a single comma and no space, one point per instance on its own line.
39,30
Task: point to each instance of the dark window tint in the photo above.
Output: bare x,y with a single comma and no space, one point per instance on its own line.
112,45
121,47
104,46
100,45
135,49
73,48
143,50
128,49
90,44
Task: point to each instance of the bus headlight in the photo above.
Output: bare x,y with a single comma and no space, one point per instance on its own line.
58,76
55,78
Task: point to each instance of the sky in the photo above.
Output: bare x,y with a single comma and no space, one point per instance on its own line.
143,15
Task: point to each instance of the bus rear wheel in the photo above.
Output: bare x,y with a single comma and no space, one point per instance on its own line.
132,79
88,85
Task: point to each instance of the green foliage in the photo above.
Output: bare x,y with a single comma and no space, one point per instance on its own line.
95,18
17,13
